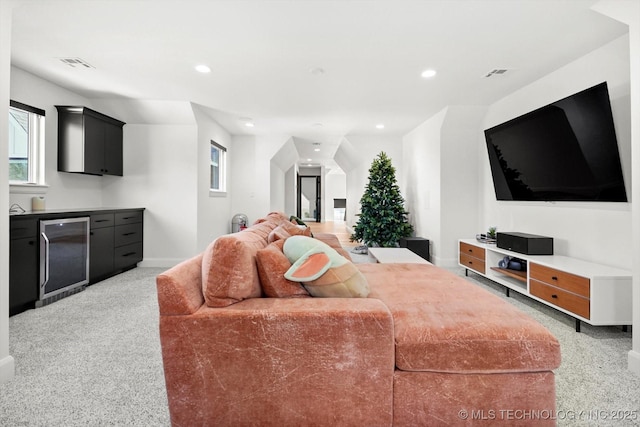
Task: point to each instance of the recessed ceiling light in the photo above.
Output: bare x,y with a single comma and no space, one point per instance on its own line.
249,124
316,149
380,126
308,160
203,68
428,73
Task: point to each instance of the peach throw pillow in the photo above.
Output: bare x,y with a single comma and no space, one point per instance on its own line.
229,271
272,264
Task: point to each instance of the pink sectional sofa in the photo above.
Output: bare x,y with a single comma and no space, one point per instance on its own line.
425,348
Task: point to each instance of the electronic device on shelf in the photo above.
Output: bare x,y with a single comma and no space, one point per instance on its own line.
483,238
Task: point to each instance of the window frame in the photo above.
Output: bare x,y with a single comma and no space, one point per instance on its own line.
222,170
35,146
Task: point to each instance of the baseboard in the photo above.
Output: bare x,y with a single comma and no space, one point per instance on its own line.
634,361
7,369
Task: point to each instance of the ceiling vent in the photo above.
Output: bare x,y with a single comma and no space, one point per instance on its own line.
495,72
76,63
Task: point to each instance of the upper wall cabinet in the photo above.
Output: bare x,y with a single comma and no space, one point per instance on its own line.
89,142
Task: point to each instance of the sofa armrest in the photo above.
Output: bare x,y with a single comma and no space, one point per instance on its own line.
180,288
268,361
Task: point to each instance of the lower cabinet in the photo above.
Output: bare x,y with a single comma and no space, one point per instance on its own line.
128,239
115,245
589,292
23,265
101,247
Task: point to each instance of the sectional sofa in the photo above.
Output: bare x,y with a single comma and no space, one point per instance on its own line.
243,346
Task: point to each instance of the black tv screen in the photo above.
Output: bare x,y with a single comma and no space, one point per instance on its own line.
565,151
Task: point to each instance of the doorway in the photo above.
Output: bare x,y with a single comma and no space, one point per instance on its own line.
309,198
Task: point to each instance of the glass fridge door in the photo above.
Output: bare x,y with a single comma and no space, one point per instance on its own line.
64,255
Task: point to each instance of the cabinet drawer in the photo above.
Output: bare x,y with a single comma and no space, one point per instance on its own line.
127,256
102,220
127,234
567,300
128,217
23,227
472,262
471,250
560,279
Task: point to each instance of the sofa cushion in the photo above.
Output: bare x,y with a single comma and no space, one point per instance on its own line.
286,229
272,264
229,271
332,240
444,323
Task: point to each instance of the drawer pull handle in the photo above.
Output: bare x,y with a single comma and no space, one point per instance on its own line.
554,278
554,296
128,234
128,254
471,250
101,220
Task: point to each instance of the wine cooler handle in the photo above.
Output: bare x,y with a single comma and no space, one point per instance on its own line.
45,261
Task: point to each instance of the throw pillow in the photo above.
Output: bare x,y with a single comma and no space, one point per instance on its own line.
295,220
287,229
272,264
322,271
229,271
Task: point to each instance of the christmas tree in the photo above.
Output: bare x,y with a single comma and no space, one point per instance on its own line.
383,220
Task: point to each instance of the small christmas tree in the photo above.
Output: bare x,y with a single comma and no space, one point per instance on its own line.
383,220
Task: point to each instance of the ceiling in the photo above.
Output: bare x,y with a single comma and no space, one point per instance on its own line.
316,70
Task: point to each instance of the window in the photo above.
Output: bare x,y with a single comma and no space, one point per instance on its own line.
218,168
26,144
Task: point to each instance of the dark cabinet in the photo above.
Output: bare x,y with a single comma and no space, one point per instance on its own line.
115,245
88,141
101,246
128,239
23,265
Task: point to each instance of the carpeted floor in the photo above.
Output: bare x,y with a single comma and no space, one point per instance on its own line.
93,359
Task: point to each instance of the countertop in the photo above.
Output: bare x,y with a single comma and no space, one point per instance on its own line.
71,211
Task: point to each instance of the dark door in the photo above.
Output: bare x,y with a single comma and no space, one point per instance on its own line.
309,198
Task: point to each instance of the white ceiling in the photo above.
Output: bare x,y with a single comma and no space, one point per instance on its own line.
263,55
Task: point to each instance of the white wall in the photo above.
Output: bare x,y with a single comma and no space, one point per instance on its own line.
250,174
65,190
629,13
290,188
441,160
335,188
159,176
367,148
278,188
597,232
421,154
7,364
214,213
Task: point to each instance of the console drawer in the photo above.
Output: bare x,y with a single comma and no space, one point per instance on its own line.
560,279
102,220
128,255
128,217
471,250
22,227
127,234
472,262
556,296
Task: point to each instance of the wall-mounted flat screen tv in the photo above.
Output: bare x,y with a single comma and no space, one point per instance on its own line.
565,151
